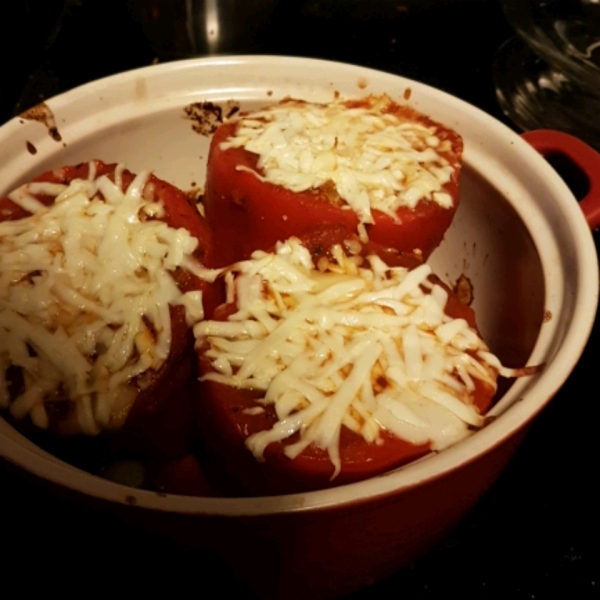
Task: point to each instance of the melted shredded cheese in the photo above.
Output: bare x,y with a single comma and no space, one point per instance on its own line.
85,291
375,157
365,347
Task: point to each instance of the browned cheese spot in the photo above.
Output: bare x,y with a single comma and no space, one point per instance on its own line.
463,289
205,117
53,131
232,109
43,114
195,194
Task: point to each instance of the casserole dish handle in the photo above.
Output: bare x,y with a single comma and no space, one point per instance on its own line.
584,157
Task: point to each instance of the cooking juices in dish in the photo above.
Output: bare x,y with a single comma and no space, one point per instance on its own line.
328,371
99,285
371,166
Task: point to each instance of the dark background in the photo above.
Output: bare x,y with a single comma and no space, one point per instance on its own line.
535,533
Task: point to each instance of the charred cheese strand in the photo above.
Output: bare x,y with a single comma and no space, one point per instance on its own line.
369,348
376,159
85,292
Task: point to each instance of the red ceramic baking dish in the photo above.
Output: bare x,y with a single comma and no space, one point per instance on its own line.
519,237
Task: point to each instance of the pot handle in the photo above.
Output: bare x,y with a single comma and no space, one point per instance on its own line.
546,141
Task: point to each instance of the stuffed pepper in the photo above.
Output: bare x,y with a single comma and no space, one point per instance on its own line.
324,370
380,170
100,284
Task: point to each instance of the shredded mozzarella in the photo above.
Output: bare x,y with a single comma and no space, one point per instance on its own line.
85,292
369,348
375,157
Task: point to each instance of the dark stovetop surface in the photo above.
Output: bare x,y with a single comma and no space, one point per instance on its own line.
534,534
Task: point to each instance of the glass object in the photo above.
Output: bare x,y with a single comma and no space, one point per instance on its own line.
549,75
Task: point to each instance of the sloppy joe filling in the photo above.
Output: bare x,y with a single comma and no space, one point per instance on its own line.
350,343
85,291
377,155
